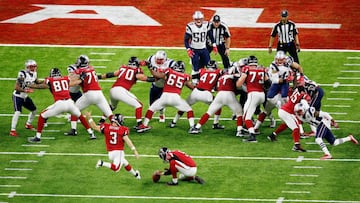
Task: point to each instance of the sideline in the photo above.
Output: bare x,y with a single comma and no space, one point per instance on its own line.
155,47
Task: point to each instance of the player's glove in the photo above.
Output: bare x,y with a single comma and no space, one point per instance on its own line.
28,90
215,49
144,63
290,78
82,75
301,81
190,52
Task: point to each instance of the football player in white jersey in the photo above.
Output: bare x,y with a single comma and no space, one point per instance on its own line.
160,62
322,122
195,38
20,95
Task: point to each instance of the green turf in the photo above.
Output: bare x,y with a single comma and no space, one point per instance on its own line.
233,170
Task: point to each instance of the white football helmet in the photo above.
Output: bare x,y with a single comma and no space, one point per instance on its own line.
280,58
160,57
300,108
31,65
198,18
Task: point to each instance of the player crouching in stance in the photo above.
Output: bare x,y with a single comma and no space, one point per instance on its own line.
59,88
179,162
115,136
323,122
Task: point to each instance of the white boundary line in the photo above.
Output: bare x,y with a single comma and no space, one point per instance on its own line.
14,194
197,157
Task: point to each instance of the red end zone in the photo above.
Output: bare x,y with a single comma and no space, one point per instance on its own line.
172,18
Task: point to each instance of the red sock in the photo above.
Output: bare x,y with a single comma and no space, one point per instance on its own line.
128,167
41,122
204,119
239,121
149,114
84,122
281,128
138,113
296,135
190,114
249,124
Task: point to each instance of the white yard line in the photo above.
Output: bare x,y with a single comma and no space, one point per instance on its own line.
17,169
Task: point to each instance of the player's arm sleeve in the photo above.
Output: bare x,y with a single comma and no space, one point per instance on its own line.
187,38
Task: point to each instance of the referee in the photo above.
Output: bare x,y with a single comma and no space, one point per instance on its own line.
288,39
221,35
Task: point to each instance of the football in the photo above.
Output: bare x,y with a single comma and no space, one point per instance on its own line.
155,177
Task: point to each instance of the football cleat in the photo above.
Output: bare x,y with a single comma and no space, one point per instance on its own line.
34,140
99,164
298,148
252,138
172,124
199,180
353,140
272,137
137,175
92,136
326,156
162,118
72,132
29,126
172,183
142,128
218,126
240,134
194,130
13,133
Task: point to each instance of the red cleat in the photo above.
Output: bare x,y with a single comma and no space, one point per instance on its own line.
13,133
29,127
326,156
352,139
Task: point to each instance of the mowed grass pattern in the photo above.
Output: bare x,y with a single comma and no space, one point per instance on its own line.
62,169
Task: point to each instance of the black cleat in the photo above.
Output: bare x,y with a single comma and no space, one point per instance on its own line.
199,180
34,140
272,137
172,183
218,126
298,148
252,138
72,132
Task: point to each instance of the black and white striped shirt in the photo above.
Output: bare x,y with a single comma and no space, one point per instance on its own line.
286,32
220,33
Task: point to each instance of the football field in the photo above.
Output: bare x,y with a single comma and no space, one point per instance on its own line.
62,168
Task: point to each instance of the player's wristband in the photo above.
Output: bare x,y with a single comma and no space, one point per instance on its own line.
133,148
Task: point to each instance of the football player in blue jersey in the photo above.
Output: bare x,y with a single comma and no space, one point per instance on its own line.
195,38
